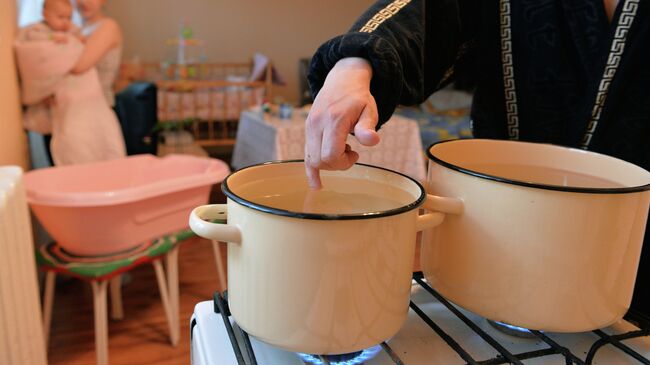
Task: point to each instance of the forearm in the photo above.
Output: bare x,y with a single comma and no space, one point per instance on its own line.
91,55
411,47
375,42
83,65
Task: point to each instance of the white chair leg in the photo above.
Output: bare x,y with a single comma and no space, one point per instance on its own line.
117,310
174,332
220,266
48,301
101,321
172,284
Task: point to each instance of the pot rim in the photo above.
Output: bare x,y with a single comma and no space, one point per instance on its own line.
301,215
570,189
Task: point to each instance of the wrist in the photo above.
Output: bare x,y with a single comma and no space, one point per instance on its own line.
360,66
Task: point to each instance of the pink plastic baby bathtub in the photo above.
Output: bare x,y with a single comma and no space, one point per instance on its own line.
112,206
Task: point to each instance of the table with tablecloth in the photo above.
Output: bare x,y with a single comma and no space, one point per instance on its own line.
264,137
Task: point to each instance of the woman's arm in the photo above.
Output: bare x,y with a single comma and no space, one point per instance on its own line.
106,37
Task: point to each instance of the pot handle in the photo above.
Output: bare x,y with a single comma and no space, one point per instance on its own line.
439,206
209,221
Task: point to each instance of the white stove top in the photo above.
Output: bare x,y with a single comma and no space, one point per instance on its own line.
416,343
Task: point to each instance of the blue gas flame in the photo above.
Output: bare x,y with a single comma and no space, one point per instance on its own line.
514,328
364,356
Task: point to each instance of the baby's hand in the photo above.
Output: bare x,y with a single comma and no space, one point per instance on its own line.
59,38
76,32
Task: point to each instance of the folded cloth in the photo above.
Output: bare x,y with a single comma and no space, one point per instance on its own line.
84,128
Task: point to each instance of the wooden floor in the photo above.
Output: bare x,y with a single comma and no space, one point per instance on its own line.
142,336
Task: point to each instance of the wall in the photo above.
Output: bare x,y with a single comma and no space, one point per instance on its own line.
233,30
13,140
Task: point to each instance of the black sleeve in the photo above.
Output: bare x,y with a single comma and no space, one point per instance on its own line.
411,44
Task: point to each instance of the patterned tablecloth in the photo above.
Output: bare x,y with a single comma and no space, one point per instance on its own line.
262,137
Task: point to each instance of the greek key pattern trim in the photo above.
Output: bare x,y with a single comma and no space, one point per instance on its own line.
615,54
512,114
383,15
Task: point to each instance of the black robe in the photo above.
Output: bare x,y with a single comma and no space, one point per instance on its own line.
554,61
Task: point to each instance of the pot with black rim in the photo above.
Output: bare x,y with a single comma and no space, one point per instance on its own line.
332,281
550,237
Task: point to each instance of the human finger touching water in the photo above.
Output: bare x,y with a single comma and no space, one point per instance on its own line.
344,105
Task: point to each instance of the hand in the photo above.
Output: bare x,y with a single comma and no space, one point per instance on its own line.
343,105
75,32
80,37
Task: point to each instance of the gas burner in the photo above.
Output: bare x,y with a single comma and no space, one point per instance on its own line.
511,330
353,358
240,349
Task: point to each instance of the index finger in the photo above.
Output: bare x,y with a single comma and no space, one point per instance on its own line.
313,177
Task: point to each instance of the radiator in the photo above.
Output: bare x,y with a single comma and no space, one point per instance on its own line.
21,329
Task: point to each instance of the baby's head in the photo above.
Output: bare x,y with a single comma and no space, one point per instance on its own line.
57,14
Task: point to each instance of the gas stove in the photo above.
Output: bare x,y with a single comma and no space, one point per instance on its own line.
435,332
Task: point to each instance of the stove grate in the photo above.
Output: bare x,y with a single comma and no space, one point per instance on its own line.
504,356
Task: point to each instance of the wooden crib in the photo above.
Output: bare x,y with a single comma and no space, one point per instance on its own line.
206,98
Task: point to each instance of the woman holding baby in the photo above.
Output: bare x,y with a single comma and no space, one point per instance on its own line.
84,128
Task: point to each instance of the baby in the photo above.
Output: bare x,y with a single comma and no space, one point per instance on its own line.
56,25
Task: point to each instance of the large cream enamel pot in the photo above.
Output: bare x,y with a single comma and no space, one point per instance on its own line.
319,284
537,246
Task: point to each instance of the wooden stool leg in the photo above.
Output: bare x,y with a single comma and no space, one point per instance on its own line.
220,266
174,333
101,321
172,283
117,310
48,301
